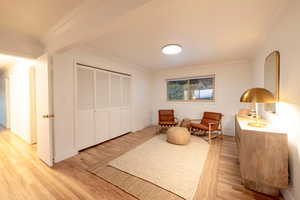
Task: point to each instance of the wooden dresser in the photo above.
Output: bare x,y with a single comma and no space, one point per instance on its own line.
263,157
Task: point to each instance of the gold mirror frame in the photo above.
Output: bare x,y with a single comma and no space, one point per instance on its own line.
272,78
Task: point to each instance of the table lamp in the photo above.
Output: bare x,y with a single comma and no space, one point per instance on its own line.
257,95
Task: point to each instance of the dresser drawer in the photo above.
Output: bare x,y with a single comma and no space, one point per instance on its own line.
237,134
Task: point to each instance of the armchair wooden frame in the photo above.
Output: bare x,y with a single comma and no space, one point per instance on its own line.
212,130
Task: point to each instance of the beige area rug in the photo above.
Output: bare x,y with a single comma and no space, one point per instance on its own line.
156,164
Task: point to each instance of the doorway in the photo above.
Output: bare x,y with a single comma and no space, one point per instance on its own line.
24,102
4,101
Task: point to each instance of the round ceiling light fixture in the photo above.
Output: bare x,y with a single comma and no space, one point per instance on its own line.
171,49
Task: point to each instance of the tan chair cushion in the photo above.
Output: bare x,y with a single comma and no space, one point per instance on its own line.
205,128
178,135
199,126
209,118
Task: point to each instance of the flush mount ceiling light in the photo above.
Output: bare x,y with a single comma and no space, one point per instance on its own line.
171,49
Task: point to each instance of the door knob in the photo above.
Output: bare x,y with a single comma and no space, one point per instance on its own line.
48,116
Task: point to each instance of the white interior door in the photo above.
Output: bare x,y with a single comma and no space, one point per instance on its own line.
102,98
126,91
125,120
44,110
116,103
115,122
85,122
102,125
115,90
126,111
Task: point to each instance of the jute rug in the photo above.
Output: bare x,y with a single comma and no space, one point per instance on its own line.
157,169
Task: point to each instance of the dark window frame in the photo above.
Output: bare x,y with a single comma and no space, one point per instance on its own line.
189,99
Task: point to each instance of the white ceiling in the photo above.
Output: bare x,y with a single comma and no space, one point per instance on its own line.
135,30
87,22
33,17
209,31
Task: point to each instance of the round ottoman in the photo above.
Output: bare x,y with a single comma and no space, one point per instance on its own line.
178,135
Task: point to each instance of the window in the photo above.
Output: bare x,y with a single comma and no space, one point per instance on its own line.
191,89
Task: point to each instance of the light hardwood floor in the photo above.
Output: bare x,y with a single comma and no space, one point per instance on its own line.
24,176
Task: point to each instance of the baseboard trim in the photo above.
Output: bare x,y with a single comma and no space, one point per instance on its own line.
287,195
228,131
64,156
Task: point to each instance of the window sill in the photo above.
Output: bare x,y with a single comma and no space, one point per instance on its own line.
192,101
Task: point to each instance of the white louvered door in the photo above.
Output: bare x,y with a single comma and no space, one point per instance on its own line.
102,99
103,106
85,123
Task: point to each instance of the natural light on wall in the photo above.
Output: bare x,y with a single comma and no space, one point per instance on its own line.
6,60
282,118
19,71
289,117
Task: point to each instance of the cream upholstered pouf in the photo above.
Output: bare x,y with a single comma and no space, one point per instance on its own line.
178,135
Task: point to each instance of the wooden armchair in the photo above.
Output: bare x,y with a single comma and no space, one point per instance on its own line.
166,119
210,125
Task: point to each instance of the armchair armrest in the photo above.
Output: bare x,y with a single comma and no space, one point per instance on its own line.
211,123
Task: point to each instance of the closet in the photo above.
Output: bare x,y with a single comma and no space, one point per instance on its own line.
102,105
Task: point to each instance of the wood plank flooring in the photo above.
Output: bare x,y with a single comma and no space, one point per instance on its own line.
24,177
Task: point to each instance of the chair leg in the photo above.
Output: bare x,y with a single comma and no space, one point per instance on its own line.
194,131
221,130
209,136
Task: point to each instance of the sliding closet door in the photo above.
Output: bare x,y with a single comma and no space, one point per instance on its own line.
125,110
115,103
102,105
125,120
116,91
85,124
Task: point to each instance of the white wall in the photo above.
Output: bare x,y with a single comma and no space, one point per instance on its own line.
232,79
20,88
284,37
63,70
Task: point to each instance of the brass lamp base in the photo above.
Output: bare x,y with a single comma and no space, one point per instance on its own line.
258,124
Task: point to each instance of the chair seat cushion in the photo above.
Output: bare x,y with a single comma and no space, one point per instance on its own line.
199,126
168,123
203,127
